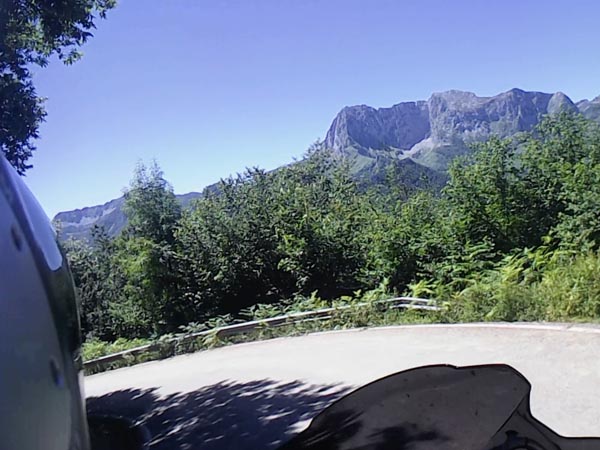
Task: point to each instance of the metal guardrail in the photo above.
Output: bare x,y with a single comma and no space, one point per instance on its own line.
241,328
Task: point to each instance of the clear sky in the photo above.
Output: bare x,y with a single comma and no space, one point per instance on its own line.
209,87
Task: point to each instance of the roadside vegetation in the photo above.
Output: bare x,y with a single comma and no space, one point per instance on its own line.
342,314
513,236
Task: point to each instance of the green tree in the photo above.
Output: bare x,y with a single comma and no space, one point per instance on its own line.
319,218
229,248
146,249
151,207
406,236
488,198
31,31
262,237
100,283
562,161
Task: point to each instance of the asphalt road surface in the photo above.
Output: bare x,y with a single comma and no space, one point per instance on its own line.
256,395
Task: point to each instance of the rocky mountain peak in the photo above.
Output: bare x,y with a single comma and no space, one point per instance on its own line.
449,120
560,102
399,127
590,108
455,99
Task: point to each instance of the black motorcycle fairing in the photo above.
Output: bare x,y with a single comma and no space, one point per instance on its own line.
436,407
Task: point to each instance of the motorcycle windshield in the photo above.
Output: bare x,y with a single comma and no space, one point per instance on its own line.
435,407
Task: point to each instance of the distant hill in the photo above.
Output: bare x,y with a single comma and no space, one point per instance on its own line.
77,224
421,138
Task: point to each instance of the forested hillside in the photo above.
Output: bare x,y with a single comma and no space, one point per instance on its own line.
513,235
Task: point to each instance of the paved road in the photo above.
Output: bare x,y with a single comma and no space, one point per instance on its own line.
252,396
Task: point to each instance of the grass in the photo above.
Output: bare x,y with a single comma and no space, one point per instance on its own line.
95,348
531,286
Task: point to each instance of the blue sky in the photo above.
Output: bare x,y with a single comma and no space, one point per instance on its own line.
211,87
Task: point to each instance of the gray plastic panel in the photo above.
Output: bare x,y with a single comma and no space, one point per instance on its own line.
35,401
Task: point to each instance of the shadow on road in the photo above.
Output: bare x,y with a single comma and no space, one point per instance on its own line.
227,415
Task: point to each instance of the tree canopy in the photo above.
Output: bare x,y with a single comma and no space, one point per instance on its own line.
495,243
31,32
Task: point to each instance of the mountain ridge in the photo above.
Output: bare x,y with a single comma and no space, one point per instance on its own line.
78,223
422,136
431,132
